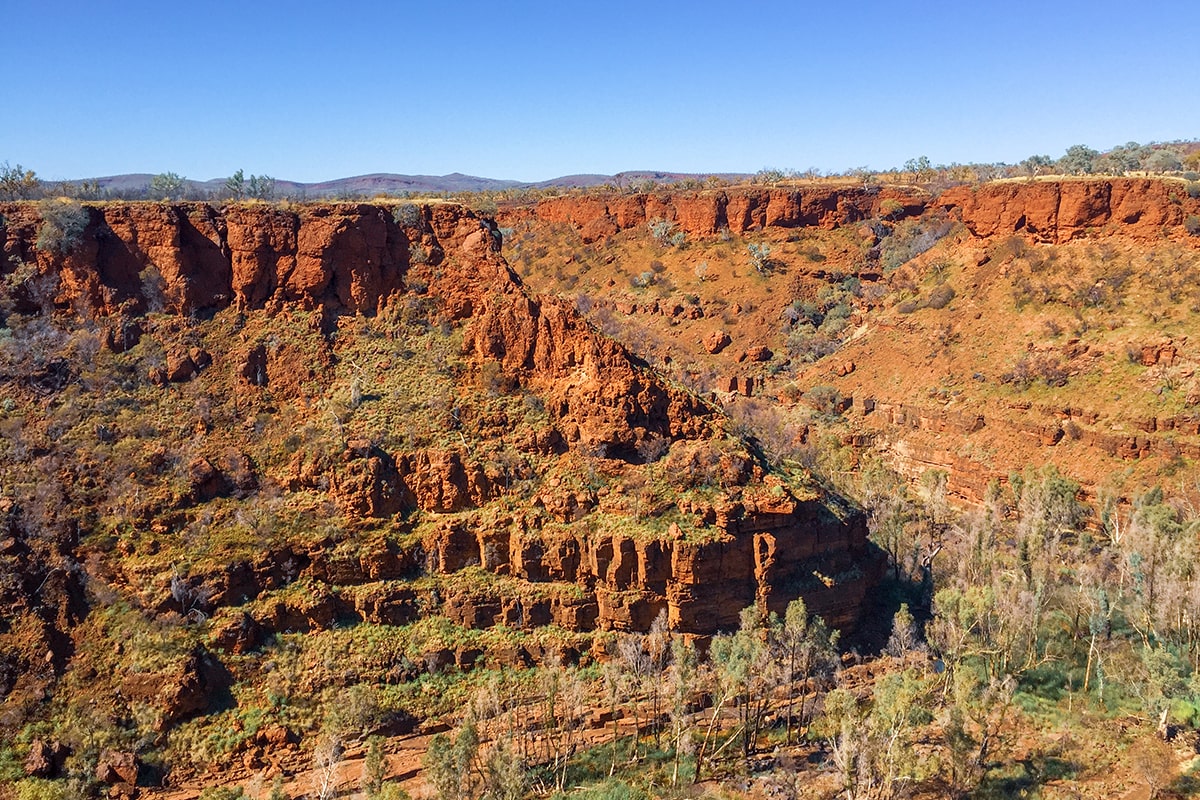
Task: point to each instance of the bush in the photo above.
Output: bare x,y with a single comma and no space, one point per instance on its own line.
63,223
1193,189
1029,370
760,257
39,789
223,793
166,185
941,296
809,345
910,239
664,232
1192,225
407,215
641,281
826,399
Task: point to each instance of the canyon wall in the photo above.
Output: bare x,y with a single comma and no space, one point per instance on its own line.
1048,211
1059,211
735,210
757,543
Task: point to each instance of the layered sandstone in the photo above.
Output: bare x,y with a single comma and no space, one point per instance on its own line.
757,543
1059,211
735,210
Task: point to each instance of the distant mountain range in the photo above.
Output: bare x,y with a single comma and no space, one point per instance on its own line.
392,184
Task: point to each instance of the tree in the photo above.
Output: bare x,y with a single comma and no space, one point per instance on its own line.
563,698
260,187
166,185
374,768
504,773
1121,160
747,668
906,637
1079,160
971,724
18,183
235,184
919,169
889,513
327,761
1163,161
449,763
1037,165
681,681
769,176
808,653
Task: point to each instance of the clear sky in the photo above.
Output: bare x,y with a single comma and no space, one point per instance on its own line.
529,90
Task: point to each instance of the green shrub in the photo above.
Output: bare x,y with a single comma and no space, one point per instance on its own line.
39,789
1192,225
1193,189
63,223
909,239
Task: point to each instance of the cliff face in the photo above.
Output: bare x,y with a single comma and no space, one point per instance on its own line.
342,257
1060,211
1086,279
738,210
1047,211
196,260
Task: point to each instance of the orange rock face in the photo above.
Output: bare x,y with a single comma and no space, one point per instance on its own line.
1065,210
738,210
602,403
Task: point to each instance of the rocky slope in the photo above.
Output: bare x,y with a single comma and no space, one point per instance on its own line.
226,426
978,330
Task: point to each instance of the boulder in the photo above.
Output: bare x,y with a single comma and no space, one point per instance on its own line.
717,341
115,767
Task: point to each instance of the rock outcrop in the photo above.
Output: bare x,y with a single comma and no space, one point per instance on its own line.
737,210
1059,211
1048,211
756,543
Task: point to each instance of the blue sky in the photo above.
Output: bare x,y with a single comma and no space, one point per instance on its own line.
533,90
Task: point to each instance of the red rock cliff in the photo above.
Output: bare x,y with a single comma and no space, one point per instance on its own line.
738,210
764,546
1059,211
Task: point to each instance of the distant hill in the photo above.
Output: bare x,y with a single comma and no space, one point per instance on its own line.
135,185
